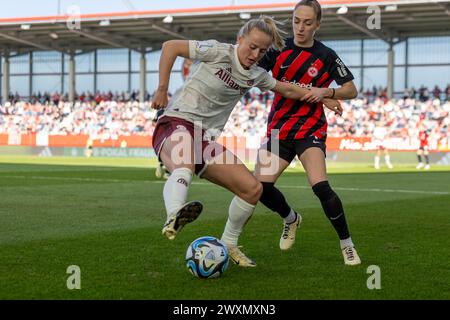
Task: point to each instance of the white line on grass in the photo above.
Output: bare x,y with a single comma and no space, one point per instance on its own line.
353,189
209,184
66,178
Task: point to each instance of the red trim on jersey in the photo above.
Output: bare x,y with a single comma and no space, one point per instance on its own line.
280,113
326,84
293,68
281,58
322,79
310,122
296,64
318,133
286,128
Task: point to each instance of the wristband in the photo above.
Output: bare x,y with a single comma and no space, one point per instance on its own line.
334,91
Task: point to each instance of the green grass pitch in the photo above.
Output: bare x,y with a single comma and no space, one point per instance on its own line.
105,216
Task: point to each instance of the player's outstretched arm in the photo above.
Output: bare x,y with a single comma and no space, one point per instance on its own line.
346,91
292,91
170,51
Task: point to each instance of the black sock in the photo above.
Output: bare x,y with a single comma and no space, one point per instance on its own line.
419,157
427,160
332,206
273,199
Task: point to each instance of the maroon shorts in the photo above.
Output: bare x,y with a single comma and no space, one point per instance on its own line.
166,126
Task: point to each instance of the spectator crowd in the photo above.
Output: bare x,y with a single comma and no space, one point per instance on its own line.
109,115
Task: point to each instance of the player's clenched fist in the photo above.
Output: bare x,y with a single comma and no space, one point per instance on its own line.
159,100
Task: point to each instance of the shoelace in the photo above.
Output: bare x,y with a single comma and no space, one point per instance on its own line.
349,252
286,231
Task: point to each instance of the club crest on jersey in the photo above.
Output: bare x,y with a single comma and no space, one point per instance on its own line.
312,71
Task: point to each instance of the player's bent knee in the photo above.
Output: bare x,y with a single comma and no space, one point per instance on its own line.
323,191
252,193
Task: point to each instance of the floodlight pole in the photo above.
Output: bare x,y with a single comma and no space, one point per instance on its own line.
95,71
30,78
71,76
6,77
390,71
142,76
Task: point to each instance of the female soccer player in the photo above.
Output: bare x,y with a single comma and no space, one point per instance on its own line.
380,133
423,149
184,136
300,127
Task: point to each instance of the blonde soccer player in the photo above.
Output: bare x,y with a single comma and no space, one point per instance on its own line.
184,137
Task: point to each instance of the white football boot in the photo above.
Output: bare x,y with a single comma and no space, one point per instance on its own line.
287,239
239,258
351,257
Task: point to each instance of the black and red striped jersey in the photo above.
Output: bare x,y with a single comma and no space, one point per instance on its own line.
423,137
316,66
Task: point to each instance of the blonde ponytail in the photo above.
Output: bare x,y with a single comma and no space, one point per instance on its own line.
269,26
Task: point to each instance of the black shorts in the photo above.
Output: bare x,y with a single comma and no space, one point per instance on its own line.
288,149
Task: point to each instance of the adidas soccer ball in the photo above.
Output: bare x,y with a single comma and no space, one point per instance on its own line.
207,257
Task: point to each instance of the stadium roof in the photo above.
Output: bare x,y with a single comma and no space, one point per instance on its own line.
145,30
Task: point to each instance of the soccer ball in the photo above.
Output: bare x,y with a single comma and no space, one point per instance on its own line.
207,257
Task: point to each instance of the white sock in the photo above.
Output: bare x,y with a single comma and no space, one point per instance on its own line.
346,243
377,161
387,159
291,217
239,213
176,189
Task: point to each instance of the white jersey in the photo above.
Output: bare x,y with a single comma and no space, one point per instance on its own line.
380,133
216,83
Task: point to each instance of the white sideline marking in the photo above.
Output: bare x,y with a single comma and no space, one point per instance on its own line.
65,178
209,184
351,189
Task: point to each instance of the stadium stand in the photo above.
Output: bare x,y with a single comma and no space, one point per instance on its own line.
108,116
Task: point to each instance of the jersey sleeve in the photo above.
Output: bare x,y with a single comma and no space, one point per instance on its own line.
268,61
205,51
338,70
265,81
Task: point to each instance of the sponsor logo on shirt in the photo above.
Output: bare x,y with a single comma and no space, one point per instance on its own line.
301,85
225,76
342,70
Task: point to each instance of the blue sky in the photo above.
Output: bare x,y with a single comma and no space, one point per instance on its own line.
27,8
